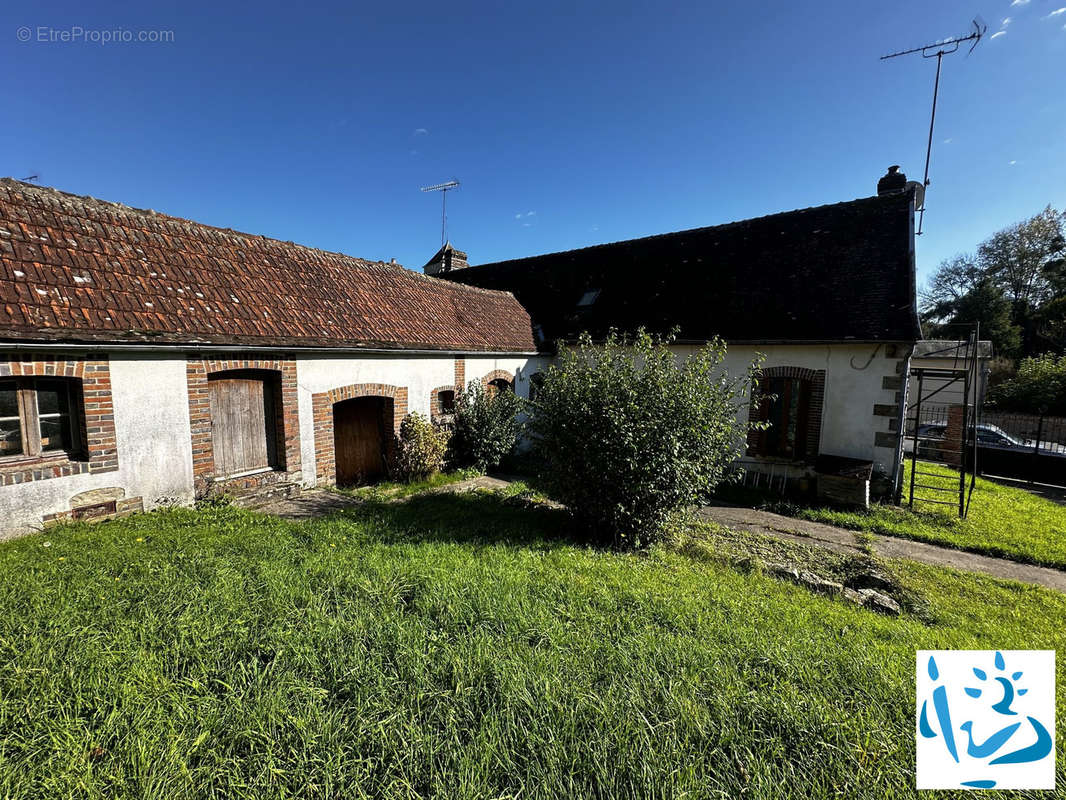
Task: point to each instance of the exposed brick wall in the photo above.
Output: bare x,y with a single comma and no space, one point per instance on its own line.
951,451
497,374
460,373
435,410
93,375
816,382
322,406
287,421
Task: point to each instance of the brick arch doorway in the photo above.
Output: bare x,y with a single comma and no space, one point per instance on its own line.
362,431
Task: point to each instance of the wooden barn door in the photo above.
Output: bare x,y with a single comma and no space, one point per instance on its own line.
242,424
361,428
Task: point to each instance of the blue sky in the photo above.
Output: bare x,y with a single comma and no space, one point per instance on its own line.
567,125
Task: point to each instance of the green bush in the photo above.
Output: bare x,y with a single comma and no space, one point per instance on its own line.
627,434
420,448
1038,387
487,427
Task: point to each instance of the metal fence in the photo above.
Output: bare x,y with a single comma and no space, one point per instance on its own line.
1027,446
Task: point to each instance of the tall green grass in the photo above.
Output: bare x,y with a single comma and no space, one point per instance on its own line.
454,646
1002,521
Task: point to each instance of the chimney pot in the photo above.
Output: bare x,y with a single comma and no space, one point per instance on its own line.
892,182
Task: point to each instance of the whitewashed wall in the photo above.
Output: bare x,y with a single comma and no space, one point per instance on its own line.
521,368
151,408
854,383
421,375
151,405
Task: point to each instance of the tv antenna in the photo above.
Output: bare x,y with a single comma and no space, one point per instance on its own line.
443,189
938,50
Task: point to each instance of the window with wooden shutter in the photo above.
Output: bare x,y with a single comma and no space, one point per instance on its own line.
40,417
784,403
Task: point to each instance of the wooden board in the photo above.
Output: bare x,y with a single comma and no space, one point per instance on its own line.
359,440
241,428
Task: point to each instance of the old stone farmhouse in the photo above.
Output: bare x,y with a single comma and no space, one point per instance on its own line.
147,359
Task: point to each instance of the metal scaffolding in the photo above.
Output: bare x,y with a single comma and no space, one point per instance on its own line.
955,446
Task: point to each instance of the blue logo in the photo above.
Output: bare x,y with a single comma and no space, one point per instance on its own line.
985,719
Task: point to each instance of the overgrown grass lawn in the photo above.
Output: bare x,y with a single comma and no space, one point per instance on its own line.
1002,521
460,647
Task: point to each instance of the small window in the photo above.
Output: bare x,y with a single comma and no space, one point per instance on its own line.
499,385
588,298
39,416
446,401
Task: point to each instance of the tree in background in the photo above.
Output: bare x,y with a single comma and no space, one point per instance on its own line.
1020,266
1039,387
986,303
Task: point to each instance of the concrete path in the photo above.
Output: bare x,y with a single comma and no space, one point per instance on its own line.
849,542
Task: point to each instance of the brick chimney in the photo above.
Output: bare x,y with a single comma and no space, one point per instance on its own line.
892,182
447,259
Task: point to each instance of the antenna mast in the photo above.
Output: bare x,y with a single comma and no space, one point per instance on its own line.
443,189
938,50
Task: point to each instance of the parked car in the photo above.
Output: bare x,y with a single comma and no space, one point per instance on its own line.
931,434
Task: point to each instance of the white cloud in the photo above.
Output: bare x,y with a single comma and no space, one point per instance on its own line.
948,141
998,33
420,132
527,214
1056,12
1006,22
1012,163
1019,3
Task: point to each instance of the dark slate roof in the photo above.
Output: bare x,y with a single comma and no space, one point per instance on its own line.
76,269
953,349
832,273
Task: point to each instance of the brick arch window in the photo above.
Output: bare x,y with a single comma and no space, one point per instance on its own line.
56,417
322,404
498,381
442,402
790,400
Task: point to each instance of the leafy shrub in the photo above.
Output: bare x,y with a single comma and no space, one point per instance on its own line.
420,448
1038,387
486,427
627,435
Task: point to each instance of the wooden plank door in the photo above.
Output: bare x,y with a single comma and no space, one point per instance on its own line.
358,440
240,425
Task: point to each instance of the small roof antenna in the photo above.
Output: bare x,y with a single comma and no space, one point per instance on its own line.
443,189
938,50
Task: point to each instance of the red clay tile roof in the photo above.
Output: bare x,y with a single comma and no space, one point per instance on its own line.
76,269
